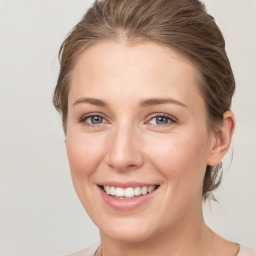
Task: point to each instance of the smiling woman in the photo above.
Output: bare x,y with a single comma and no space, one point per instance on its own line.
144,90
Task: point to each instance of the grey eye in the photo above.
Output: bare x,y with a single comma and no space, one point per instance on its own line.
160,120
94,119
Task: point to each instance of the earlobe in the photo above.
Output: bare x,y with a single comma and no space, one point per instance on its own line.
221,139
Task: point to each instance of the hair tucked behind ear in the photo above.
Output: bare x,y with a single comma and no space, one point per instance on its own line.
182,25
212,180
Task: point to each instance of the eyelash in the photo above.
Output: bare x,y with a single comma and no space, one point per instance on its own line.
83,119
171,120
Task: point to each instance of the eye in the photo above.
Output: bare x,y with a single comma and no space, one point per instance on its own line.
93,119
162,120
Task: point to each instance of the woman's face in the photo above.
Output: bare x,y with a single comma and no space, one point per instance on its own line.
137,123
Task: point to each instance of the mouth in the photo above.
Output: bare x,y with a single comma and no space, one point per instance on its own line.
129,192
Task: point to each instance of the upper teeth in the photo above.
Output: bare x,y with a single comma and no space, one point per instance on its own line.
128,192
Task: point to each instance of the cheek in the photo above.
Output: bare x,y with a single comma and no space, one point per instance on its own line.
182,161
84,154
181,158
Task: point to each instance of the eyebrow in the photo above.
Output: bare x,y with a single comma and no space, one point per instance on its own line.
92,101
143,103
159,101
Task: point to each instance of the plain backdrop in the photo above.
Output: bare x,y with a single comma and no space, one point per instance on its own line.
39,210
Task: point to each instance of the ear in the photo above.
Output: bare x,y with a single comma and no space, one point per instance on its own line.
221,139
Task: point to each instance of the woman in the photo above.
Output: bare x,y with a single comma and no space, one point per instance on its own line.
145,90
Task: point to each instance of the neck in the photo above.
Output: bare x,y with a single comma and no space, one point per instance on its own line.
186,238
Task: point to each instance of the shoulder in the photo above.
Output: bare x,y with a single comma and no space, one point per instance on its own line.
87,252
245,251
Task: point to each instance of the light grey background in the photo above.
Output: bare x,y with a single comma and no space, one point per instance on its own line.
39,211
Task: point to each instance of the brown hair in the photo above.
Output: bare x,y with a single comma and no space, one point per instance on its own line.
182,25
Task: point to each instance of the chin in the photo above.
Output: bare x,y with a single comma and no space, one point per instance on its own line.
127,235
128,230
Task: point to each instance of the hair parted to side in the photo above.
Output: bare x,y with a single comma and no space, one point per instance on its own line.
182,25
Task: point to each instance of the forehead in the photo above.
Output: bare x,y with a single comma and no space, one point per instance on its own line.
147,55
121,70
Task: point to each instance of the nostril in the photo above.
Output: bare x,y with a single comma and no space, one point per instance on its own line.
124,152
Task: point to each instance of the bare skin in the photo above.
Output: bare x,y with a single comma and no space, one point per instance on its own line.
209,244
136,114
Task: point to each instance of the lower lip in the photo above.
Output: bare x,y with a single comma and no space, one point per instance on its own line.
126,204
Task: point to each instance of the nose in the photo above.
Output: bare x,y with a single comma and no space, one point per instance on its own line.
125,150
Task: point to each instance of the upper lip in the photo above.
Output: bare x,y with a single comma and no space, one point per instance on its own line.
132,184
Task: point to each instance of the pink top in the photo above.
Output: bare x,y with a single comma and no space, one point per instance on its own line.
244,251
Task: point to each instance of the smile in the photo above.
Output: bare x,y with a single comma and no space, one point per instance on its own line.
128,196
128,193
